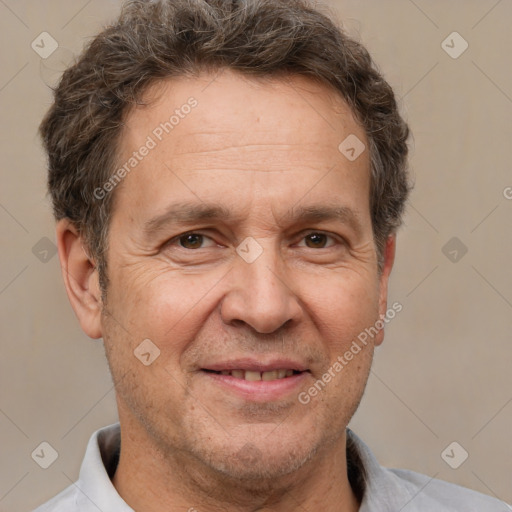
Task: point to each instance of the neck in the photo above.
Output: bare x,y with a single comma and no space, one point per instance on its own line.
149,481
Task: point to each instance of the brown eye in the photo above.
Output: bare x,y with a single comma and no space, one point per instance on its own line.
191,241
317,240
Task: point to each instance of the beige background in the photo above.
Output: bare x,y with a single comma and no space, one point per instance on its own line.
443,373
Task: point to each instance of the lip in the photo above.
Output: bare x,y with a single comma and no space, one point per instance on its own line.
256,365
260,390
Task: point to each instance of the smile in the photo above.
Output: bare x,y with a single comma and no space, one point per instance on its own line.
255,375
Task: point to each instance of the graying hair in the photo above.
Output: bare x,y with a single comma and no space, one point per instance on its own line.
154,40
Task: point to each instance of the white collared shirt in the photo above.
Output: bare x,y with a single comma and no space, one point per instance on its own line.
384,490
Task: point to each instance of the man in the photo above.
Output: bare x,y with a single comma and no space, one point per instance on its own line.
228,178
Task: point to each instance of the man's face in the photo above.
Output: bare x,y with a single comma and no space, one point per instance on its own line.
294,296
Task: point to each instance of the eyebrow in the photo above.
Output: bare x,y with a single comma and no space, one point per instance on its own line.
191,213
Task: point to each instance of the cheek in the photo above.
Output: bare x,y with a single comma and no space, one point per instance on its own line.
170,308
353,311
343,306
157,296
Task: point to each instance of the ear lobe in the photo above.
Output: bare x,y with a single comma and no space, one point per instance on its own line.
80,278
389,258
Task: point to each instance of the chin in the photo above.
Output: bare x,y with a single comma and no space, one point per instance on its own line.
259,462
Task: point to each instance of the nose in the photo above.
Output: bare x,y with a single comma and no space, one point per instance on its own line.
260,295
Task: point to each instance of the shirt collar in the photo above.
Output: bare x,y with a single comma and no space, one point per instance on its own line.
99,464
383,490
368,479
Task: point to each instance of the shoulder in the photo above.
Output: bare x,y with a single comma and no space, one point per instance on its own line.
93,490
71,499
426,493
387,490
66,501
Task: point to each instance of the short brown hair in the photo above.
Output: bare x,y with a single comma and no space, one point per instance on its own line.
154,40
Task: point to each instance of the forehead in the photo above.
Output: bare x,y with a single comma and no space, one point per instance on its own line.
227,132
234,109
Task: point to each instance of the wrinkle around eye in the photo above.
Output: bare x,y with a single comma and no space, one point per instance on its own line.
336,240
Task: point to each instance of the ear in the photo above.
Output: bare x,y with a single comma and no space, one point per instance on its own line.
80,278
389,259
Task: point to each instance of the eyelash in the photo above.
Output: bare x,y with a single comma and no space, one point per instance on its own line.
177,238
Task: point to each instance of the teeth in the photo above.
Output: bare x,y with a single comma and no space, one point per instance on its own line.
268,375
254,376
